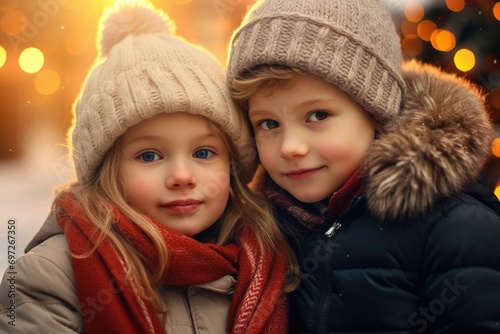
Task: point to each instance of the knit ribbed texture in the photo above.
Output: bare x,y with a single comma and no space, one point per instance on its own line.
351,44
148,70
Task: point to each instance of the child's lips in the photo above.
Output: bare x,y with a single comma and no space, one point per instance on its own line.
182,206
302,174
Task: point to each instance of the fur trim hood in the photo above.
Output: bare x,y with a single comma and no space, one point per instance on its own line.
437,146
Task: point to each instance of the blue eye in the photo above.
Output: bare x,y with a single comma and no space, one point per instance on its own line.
149,156
203,154
269,124
318,116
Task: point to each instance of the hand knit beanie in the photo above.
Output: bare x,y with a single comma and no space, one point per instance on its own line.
145,70
352,44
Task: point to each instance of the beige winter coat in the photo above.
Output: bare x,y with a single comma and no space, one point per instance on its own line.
46,301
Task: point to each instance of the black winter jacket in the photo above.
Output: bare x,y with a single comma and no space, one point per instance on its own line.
415,253
436,274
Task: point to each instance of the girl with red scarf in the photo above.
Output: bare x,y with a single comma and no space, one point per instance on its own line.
159,234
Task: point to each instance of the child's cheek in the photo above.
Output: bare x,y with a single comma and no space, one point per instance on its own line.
264,138
138,189
343,155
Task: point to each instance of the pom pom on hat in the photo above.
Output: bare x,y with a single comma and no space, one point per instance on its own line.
135,20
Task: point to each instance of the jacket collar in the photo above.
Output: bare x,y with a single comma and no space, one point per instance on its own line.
48,229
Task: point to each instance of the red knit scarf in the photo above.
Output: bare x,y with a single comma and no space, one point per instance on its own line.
108,305
339,202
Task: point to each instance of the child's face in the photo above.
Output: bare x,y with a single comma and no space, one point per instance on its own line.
310,136
176,171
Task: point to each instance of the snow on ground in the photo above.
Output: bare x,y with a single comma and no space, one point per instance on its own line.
26,192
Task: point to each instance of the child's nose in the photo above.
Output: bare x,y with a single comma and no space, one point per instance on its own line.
293,145
180,175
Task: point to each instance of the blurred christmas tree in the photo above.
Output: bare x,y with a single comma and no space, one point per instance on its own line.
459,36
462,37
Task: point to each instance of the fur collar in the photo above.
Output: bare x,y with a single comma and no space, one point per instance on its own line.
437,146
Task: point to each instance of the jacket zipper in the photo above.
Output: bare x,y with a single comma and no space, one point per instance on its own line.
326,284
333,229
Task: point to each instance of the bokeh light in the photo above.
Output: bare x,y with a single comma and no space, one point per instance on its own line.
3,56
494,98
47,82
443,40
13,22
464,60
495,147
425,29
412,45
31,60
414,11
409,28
496,11
455,5
497,190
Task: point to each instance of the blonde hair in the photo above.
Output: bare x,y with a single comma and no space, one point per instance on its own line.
244,209
263,77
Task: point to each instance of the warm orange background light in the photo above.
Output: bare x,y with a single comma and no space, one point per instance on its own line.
47,82
31,60
464,60
455,5
409,28
425,29
76,4
182,2
412,45
48,43
495,147
76,43
13,22
7,5
445,41
3,56
135,2
414,11
496,11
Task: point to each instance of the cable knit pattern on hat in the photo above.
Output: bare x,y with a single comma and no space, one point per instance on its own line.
146,70
351,44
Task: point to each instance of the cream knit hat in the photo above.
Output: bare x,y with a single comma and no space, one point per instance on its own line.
352,44
148,70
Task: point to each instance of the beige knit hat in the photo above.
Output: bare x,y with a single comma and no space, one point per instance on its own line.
148,70
352,44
